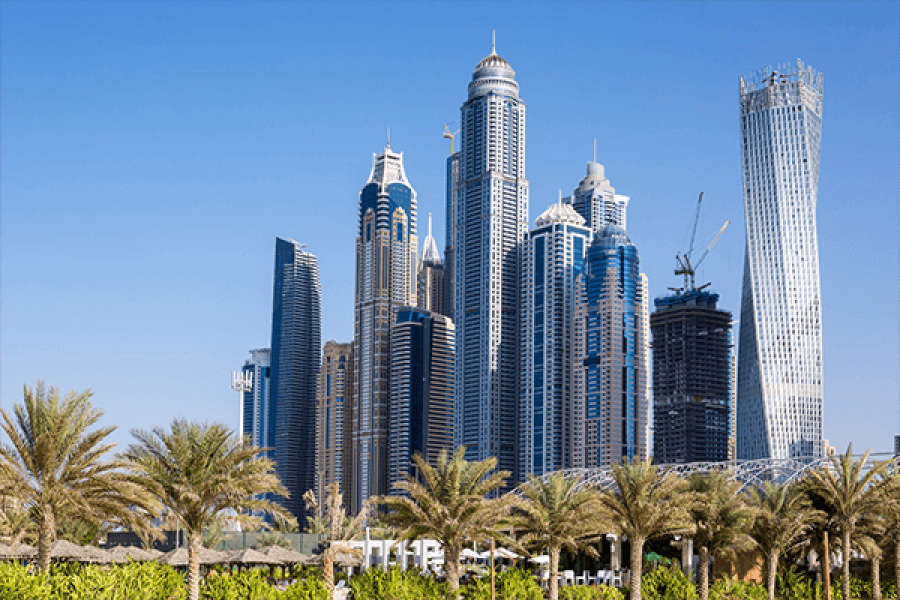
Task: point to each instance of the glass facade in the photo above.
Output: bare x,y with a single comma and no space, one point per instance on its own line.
596,200
552,261
296,348
386,262
333,431
612,344
491,222
256,399
780,353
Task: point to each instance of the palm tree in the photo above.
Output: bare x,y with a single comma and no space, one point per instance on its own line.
201,472
721,519
851,493
55,466
557,512
783,517
337,528
646,503
448,505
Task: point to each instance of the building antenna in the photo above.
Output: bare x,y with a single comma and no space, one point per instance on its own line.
389,138
560,197
429,224
494,41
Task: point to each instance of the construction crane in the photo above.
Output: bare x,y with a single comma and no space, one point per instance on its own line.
450,136
684,260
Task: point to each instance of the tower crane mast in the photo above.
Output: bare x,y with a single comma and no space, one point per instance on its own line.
684,260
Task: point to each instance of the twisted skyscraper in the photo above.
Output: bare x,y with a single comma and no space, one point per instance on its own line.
780,360
491,222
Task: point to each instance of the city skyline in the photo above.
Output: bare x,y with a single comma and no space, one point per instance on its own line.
96,223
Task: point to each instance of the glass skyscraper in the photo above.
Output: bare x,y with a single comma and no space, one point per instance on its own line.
386,261
491,222
612,353
332,430
552,261
256,399
296,351
780,353
431,277
597,201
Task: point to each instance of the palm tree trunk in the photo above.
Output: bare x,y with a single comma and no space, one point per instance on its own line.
554,573
704,572
897,567
195,542
826,565
328,570
876,578
637,557
45,538
451,561
771,571
845,562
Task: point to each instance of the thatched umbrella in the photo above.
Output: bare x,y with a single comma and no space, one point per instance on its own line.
288,556
67,551
249,557
341,559
17,551
123,553
179,557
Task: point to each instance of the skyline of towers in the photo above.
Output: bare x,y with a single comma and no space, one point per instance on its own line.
612,349
386,263
691,378
422,358
332,422
295,354
256,400
491,222
780,354
552,261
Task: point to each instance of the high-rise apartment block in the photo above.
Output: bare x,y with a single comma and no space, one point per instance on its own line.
257,370
296,351
422,362
612,354
552,261
780,355
386,262
596,200
332,430
691,378
491,222
450,232
430,291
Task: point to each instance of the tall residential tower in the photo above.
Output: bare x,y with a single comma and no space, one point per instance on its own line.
780,353
491,223
386,261
296,351
257,369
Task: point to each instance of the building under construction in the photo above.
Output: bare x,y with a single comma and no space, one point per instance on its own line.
691,378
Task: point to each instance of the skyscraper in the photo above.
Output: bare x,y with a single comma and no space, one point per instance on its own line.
422,361
691,378
491,223
612,345
552,260
296,351
450,231
332,429
386,251
780,353
596,200
256,399
431,277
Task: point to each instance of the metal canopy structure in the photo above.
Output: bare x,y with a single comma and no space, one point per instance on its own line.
749,472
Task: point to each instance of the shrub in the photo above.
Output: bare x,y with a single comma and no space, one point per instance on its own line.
731,589
514,584
310,588
667,583
396,584
791,584
593,592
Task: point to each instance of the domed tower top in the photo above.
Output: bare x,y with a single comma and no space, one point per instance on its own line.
493,74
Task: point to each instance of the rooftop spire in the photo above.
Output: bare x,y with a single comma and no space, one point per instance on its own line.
388,138
494,41
429,224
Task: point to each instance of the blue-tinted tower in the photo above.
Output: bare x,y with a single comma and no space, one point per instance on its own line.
296,351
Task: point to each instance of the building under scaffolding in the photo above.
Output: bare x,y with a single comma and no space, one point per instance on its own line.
691,378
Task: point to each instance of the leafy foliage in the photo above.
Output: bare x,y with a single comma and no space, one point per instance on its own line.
729,588
591,592
397,584
667,583
513,584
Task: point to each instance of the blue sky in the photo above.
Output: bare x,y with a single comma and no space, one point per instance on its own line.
151,152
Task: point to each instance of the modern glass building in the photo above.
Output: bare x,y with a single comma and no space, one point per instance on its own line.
450,234
552,261
612,342
333,409
256,399
491,224
430,290
780,344
296,351
422,362
596,200
386,261
691,378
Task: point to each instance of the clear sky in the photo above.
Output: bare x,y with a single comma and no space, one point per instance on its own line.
151,152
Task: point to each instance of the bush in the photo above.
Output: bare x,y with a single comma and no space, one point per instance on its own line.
396,584
667,583
791,584
311,588
732,589
592,592
514,584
